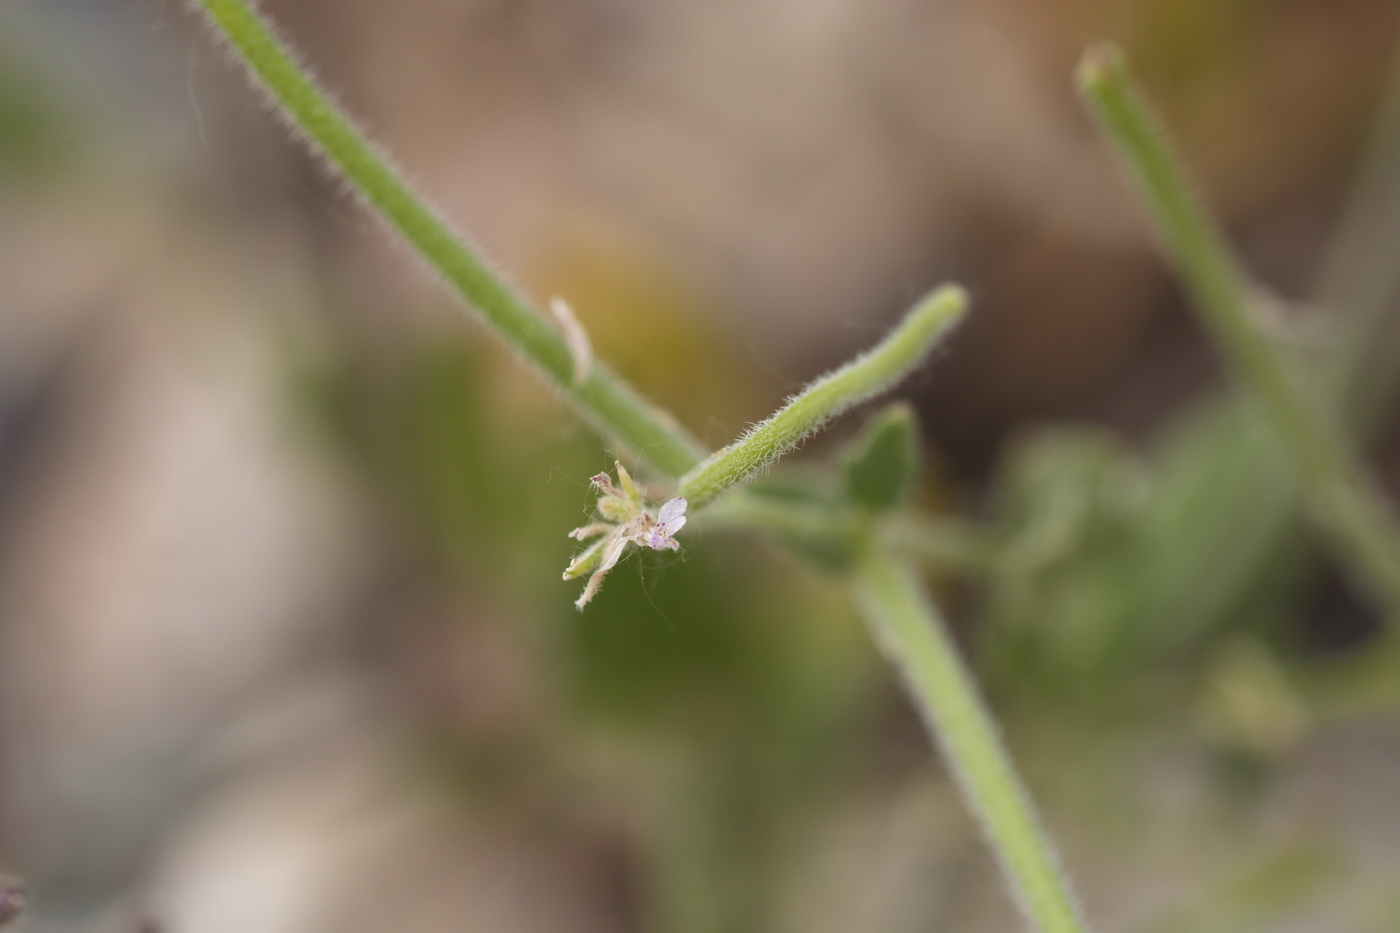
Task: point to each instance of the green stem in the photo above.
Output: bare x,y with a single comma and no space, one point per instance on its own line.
1360,274
942,541
602,398
908,628
1344,498
859,380
1197,587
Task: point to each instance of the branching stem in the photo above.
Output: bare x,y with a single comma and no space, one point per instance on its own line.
902,617
1343,497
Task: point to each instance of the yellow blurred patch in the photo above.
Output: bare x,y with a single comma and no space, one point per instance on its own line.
652,322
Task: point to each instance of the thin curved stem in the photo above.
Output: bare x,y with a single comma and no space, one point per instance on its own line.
1357,285
828,396
908,628
1345,499
607,402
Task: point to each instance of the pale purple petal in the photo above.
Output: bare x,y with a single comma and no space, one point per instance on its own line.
670,518
672,510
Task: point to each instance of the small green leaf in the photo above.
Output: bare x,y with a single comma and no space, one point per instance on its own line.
882,463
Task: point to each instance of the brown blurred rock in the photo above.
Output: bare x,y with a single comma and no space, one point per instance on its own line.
13,899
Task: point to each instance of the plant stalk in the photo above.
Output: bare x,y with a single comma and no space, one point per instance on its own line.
909,630
604,400
1344,499
901,616
828,396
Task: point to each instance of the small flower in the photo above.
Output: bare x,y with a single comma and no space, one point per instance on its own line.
670,518
626,520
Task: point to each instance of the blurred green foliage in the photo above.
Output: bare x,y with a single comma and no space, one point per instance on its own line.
35,137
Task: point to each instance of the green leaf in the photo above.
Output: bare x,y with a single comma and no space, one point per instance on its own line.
881,465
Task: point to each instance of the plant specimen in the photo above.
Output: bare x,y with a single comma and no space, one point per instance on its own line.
868,533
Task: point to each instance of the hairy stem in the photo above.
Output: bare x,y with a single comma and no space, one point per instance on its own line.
1344,498
1360,274
908,628
859,380
1196,581
601,397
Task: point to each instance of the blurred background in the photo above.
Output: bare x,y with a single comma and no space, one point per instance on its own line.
283,645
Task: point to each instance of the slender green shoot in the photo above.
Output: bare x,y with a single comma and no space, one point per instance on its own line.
839,390
601,397
1360,274
907,627
1343,497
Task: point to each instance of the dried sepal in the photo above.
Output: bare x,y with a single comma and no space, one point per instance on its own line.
625,521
